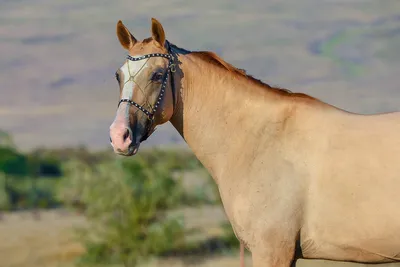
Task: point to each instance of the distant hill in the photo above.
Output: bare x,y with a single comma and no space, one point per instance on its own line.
58,58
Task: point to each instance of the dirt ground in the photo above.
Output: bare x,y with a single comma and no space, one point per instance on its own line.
48,242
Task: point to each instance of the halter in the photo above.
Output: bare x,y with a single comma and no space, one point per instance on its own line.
150,114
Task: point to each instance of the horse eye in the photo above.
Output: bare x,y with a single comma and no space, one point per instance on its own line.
157,76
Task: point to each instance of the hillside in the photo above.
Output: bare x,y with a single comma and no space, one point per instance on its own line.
58,58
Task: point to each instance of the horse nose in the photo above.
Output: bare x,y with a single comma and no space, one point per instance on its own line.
121,139
128,133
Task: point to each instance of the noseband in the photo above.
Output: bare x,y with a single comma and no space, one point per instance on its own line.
150,114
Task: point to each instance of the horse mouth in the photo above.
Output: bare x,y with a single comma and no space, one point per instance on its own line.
132,150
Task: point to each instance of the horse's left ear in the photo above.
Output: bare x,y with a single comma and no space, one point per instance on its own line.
157,31
124,36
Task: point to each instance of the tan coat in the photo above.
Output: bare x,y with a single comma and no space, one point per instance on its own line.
288,167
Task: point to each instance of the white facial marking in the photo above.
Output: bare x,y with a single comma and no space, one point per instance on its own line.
131,69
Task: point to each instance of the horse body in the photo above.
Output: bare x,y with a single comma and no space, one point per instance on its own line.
335,185
289,167
352,201
294,167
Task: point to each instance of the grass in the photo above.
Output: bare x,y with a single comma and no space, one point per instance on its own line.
50,239
44,242
49,242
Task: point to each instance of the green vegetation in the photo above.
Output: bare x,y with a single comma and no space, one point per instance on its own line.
127,213
133,205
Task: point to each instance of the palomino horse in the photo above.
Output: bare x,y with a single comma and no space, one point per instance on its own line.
290,168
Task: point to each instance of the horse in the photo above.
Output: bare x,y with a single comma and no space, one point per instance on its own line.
294,172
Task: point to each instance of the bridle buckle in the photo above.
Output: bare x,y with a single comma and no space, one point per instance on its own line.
173,68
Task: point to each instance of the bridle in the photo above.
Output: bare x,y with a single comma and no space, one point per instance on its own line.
151,114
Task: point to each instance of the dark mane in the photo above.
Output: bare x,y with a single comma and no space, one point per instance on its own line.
214,59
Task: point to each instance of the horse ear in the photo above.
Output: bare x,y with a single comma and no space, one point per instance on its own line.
124,36
157,31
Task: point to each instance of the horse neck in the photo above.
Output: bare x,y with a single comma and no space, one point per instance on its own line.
222,117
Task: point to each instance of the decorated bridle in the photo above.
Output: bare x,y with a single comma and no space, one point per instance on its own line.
150,114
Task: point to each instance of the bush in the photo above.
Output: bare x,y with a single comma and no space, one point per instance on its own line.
17,164
12,162
4,199
126,205
81,154
29,192
173,159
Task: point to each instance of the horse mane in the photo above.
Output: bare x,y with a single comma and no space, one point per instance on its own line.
214,59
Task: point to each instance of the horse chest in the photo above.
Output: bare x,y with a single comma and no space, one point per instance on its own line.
241,208
236,209
258,204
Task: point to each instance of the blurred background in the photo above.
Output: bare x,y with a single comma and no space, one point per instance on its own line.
67,200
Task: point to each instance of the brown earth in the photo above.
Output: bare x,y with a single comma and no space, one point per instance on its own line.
49,242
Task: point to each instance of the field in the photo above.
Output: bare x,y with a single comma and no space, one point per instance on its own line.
49,238
49,242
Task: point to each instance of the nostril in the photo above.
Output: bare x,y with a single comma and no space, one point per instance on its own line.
110,140
126,134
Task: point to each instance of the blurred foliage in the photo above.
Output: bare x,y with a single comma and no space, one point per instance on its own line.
229,236
25,178
127,201
149,162
81,154
17,164
4,200
28,193
6,140
126,205
13,162
173,159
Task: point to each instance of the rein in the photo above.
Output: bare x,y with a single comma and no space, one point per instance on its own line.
151,114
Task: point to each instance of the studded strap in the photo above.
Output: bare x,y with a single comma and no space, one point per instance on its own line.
149,55
150,114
